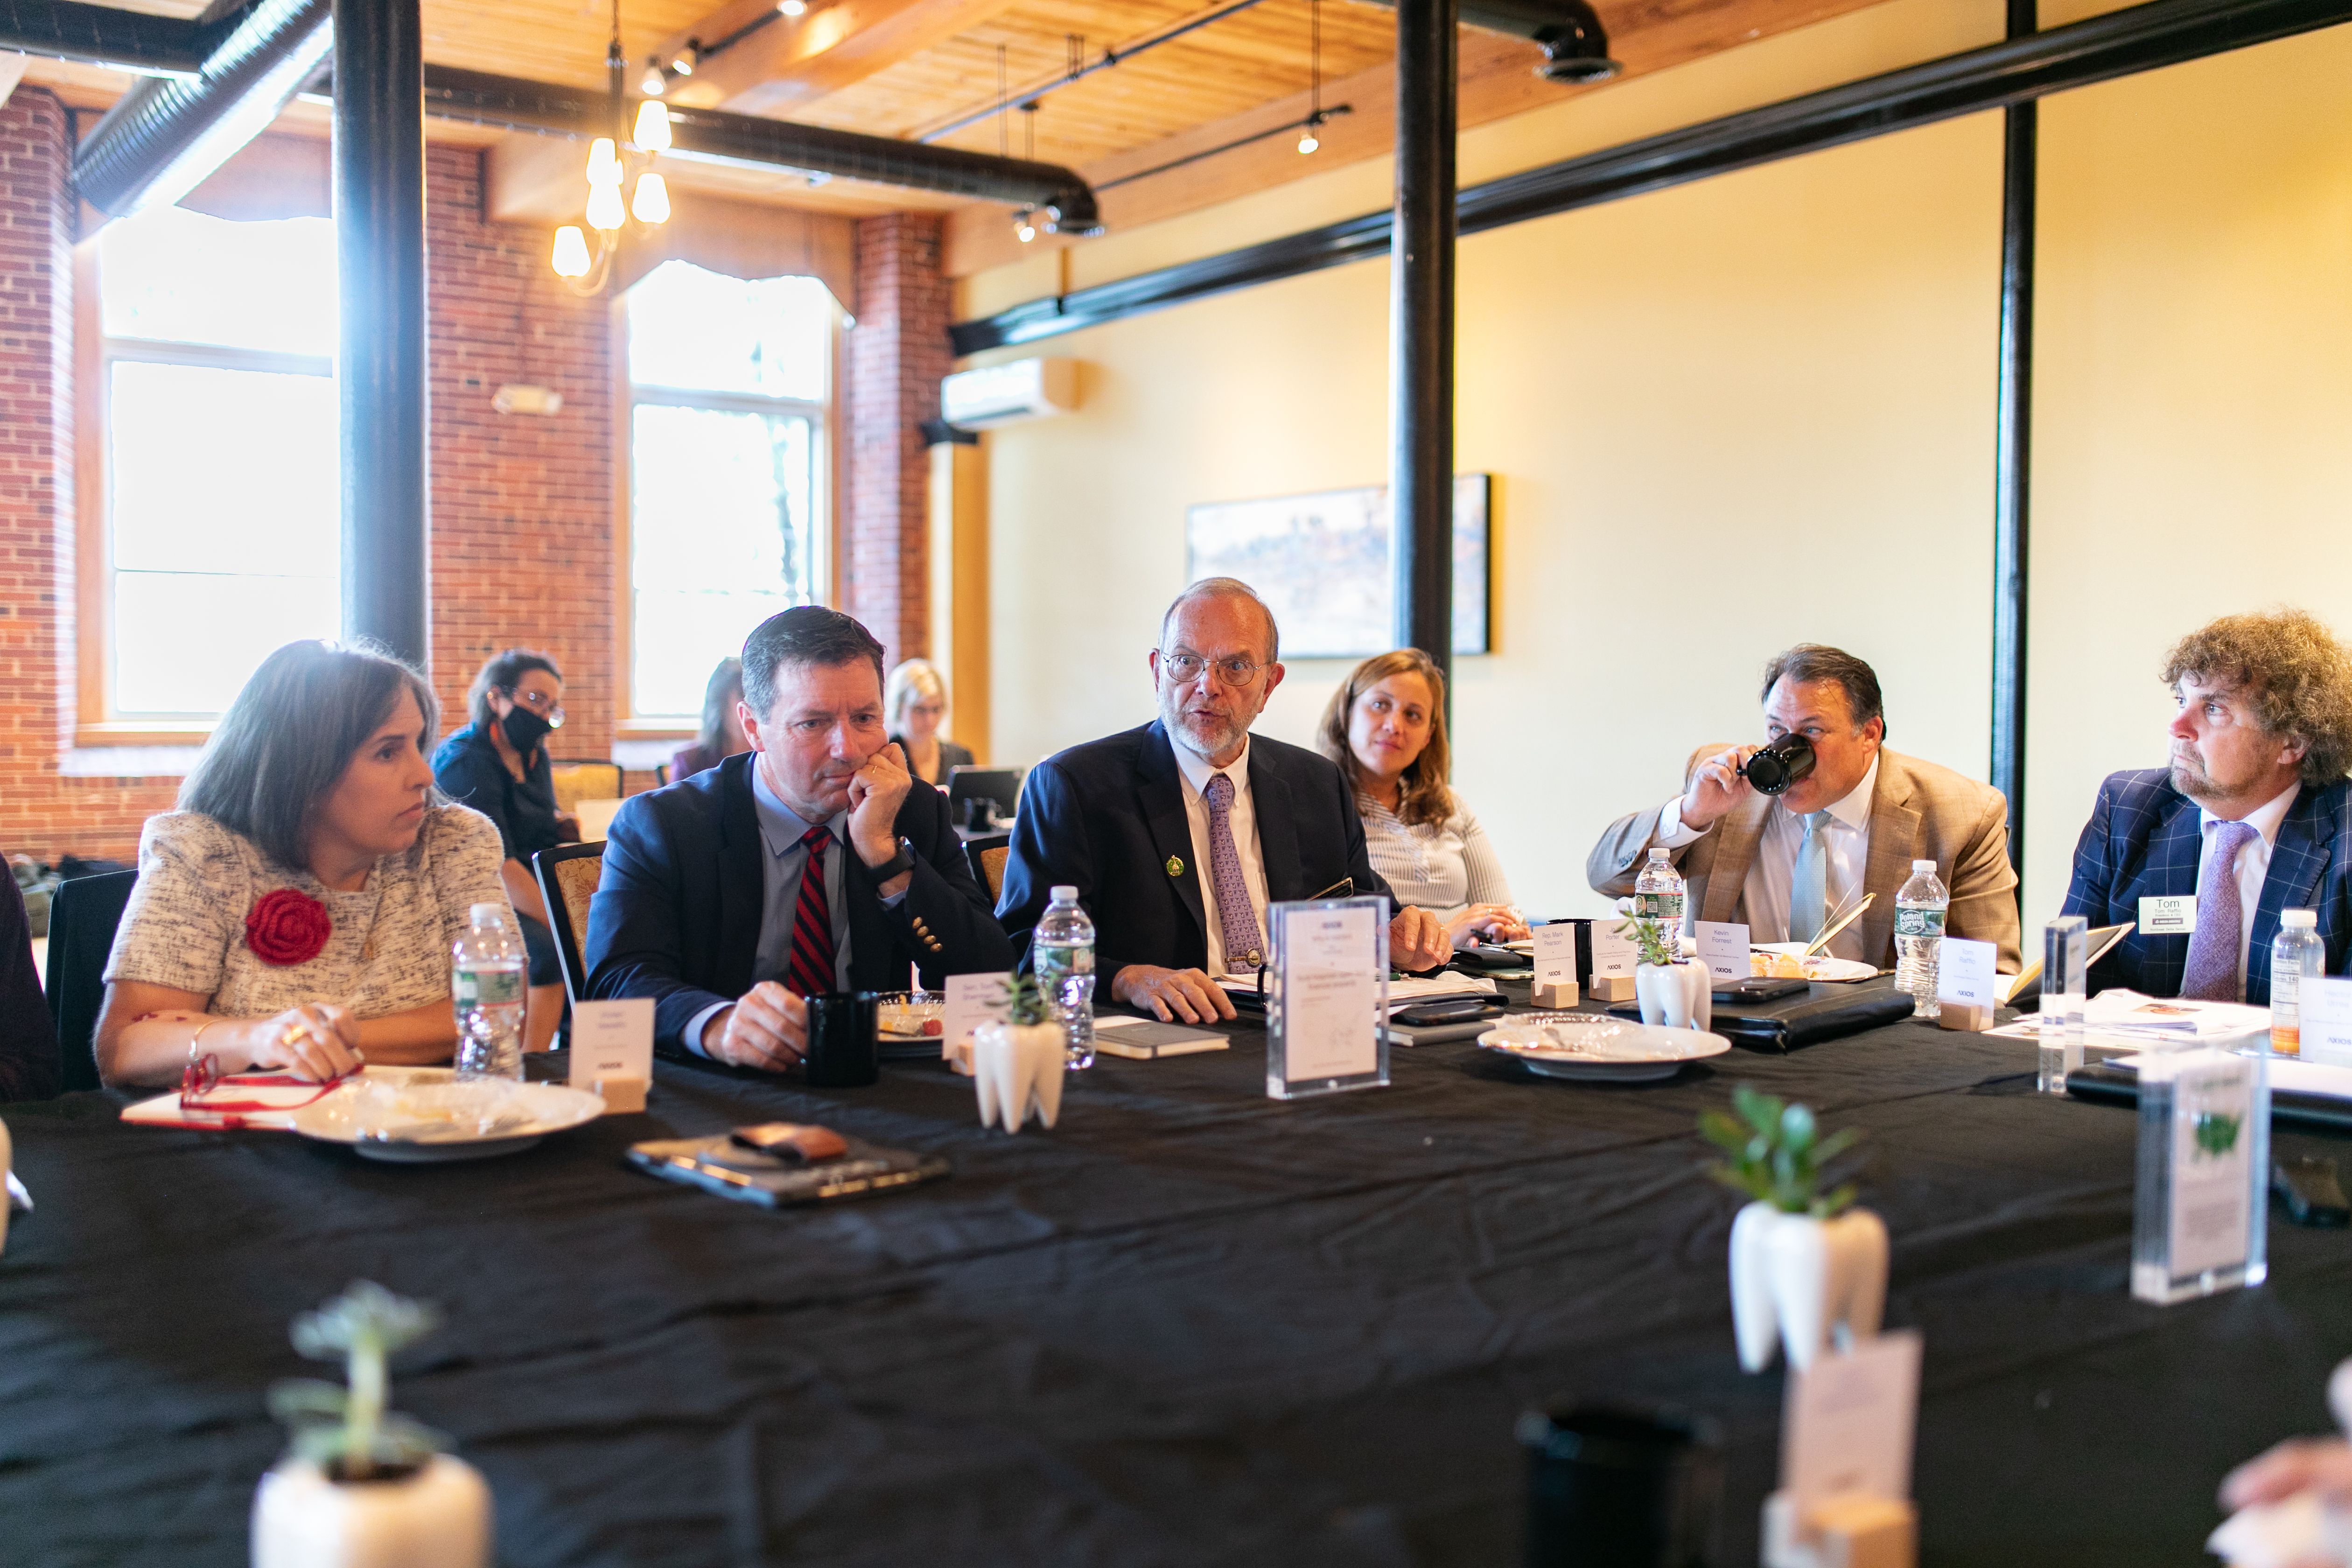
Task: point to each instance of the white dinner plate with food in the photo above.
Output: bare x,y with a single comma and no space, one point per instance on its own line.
907,1024
417,1115
1595,1048
1787,961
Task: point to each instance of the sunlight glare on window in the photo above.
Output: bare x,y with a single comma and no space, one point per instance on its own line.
700,331
177,276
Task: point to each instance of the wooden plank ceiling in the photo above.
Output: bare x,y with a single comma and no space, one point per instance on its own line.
905,68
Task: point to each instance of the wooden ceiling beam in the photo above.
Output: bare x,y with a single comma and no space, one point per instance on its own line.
796,61
1498,81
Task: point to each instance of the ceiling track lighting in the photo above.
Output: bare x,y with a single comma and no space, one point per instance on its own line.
682,62
655,82
792,7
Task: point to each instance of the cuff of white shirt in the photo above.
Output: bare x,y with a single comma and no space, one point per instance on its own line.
692,1034
895,899
1671,833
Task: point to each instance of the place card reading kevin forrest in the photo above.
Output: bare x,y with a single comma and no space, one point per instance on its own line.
1722,948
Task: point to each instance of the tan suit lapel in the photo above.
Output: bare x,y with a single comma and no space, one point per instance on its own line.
1735,851
1893,838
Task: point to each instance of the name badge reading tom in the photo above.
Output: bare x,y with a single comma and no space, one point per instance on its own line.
2168,917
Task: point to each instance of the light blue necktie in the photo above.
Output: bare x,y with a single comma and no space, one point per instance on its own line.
1809,886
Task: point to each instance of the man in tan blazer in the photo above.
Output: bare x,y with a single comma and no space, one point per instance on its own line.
1781,864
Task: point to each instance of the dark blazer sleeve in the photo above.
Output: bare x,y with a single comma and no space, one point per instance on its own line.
1050,847
944,922
633,940
30,1067
2091,893
472,778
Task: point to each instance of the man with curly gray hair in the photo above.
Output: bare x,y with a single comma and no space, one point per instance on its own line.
2252,816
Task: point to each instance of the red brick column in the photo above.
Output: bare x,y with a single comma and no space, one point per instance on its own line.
897,355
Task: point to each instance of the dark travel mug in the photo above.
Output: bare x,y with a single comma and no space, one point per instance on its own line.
1620,1486
842,1051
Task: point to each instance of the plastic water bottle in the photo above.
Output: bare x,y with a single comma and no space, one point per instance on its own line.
486,991
1063,951
1658,891
1919,906
2296,951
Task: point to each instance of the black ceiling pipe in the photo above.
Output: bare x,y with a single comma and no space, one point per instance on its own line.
1575,44
104,36
711,133
2013,468
1420,330
167,133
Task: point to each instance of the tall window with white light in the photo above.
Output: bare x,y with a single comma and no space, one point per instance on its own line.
729,385
217,400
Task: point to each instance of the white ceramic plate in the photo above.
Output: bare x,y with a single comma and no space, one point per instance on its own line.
417,1115
1593,1047
1824,967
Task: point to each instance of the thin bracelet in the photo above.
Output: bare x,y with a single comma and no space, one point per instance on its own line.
199,1035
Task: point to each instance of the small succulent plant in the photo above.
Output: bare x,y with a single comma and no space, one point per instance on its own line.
1776,1153
1025,1000
346,1431
1656,938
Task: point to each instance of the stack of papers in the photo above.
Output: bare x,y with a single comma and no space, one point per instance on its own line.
2121,1012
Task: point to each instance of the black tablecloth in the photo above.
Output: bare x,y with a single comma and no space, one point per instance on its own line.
1189,1325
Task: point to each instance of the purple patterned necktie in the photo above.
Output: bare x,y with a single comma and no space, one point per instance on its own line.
1235,918
2211,974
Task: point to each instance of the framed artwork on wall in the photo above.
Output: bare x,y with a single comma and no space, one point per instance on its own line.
1322,562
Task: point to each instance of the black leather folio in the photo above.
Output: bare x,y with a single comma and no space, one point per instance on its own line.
1825,1012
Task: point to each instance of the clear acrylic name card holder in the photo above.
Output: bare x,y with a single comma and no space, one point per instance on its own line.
2200,1208
1327,993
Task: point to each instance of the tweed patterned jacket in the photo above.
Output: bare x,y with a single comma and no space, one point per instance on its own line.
2143,841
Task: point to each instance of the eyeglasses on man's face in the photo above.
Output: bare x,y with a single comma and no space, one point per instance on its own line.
548,708
1185,668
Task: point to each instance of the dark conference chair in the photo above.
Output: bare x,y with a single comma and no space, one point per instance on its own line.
83,913
988,852
567,877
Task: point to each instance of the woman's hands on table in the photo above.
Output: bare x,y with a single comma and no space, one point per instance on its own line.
1486,923
317,1041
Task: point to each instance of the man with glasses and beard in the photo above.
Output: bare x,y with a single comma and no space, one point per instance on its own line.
1178,835
2251,816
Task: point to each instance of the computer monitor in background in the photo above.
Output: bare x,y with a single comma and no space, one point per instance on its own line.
1000,787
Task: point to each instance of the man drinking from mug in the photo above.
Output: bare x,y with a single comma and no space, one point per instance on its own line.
1782,864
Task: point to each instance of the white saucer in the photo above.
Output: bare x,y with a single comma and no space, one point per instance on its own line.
1593,1047
428,1116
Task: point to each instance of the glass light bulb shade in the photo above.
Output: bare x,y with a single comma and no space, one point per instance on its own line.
653,84
684,64
652,132
651,202
792,7
1025,231
571,258
603,163
1307,143
604,207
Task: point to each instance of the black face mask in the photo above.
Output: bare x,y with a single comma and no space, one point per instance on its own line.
525,729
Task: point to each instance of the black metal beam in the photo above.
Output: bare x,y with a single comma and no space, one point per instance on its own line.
103,34
380,256
2121,43
1420,329
2012,452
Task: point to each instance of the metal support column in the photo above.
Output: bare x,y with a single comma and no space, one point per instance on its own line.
2013,453
1420,328
380,256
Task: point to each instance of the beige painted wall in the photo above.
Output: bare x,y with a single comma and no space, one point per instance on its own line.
1736,413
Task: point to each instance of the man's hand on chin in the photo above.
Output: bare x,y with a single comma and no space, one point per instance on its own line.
767,1030
876,793
1417,941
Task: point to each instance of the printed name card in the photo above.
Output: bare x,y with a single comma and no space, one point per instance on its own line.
611,1040
971,1000
1556,954
1847,1423
1328,984
1964,973
2198,1130
1722,948
2168,917
1613,953
2325,1008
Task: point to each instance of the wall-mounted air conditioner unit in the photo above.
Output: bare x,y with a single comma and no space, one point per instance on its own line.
1000,393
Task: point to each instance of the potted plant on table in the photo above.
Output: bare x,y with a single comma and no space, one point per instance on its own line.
1804,1264
1669,988
363,1487
1018,1063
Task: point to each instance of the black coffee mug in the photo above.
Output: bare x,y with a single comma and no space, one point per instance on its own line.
843,1050
1614,1485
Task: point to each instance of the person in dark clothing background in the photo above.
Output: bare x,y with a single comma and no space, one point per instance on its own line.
29,1067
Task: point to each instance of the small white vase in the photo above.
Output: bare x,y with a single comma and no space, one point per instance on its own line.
1795,1279
440,1515
1018,1069
1677,996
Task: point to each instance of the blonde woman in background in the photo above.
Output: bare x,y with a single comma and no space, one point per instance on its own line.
914,701
1386,729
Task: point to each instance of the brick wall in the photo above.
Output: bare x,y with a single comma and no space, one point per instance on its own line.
897,355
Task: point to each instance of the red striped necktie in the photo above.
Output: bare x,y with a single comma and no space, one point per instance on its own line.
810,973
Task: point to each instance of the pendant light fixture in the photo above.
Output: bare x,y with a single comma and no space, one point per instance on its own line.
608,170
1308,141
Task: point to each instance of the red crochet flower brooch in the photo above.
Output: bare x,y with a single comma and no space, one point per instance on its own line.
287,927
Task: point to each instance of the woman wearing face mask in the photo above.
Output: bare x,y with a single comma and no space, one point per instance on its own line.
296,912
499,765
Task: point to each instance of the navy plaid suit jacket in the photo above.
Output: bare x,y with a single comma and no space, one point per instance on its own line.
2143,841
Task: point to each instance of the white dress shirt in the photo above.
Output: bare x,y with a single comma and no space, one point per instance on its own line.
2253,864
1846,839
1197,773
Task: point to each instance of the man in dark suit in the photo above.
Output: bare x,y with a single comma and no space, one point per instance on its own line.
705,903
2253,817
1178,835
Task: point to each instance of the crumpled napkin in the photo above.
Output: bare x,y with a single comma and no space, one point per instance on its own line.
2300,1532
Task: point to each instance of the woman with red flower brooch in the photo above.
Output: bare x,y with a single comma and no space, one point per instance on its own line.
297,911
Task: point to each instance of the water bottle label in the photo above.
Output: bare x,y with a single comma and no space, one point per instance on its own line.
486,987
1918,922
1659,906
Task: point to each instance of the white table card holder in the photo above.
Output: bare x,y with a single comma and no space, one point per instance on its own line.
2326,1022
613,1051
971,1000
1966,989
1327,991
1555,964
2065,957
1722,948
1847,1426
2201,1206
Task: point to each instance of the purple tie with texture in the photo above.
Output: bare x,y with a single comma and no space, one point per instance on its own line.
2211,974
1235,918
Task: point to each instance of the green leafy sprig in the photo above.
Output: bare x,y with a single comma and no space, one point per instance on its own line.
1656,938
347,1431
1026,1002
1776,1153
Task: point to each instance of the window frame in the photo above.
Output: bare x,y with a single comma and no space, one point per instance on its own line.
825,499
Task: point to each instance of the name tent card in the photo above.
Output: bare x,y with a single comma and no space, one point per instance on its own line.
611,1040
2326,1010
1612,954
1327,993
1964,974
1722,948
971,1000
1847,1422
2168,917
2201,1206
1556,954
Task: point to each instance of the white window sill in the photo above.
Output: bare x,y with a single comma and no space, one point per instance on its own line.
128,762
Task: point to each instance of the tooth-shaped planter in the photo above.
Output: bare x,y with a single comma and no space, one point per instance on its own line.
1018,1069
1678,995
1795,1279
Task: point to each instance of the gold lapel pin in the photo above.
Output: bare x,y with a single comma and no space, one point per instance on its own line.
1175,866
